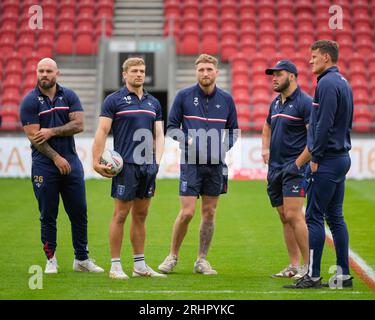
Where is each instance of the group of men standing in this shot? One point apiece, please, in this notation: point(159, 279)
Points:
point(298, 129)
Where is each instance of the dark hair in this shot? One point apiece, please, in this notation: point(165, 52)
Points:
point(327, 46)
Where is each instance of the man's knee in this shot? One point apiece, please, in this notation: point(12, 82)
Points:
point(186, 214)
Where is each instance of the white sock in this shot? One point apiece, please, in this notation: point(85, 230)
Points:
point(116, 264)
point(315, 278)
point(139, 262)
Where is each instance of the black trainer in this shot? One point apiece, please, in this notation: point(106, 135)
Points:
point(305, 283)
point(348, 283)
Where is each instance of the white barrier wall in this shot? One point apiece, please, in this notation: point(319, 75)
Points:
point(244, 160)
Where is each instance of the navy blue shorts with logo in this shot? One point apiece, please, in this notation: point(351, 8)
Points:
point(203, 179)
point(135, 181)
point(285, 182)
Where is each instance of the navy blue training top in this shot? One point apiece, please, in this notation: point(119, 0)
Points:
point(37, 108)
point(331, 116)
point(192, 110)
point(288, 127)
point(133, 124)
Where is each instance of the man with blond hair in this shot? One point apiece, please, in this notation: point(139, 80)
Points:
point(200, 117)
point(51, 115)
point(135, 118)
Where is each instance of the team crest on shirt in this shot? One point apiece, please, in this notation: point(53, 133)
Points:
point(41, 99)
point(128, 99)
point(150, 104)
point(195, 101)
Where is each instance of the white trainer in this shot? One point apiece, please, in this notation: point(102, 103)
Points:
point(87, 265)
point(301, 271)
point(203, 266)
point(288, 272)
point(168, 264)
point(51, 265)
point(118, 274)
point(148, 273)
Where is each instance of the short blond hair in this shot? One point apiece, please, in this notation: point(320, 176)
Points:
point(206, 58)
point(131, 62)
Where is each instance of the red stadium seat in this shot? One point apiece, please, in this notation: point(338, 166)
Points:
point(229, 33)
point(10, 117)
point(210, 23)
point(209, 42)
point(25, 45)
point(171, 9)
point(103, 25)
point(9, 33)
point(267, 44)
point(9, 98)
point(229, 47)
point(65, 20)
point(64, 43)
point(190, 21)
point(364, 43)
point(259, 64)
point(46, 48)
point(362, 23)
point(357, 63)
point(247, 22)
point(266, 7)
point(303, 6)
point(229, 21)
point(371, 63)
point(360, 7)
point(10, 7)
point(86, 21)
point(84, 43)
point(171, 28)
point(86, 7)
point(9, 19)
point(266, 24)
point(229, 7)
point(361, 119)
point(284, 7)
point(6, 46)
point(67, 7)
point(190, 7)
point(248, 44)
point(209, 6)
point(190, 41)
point(14, 61)
point(49, 7)
point(248, 7)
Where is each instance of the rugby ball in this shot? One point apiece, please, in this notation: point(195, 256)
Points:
point(114, 159)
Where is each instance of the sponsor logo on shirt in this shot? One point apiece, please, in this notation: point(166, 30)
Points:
point(195, 101)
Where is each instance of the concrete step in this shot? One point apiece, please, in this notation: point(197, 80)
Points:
point(139, 25)
point(138, 12)
point(139, 4)
point(70, 71)
point(139, 32)
point(132, 18)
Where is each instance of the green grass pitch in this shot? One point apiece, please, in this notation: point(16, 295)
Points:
point(247, 247)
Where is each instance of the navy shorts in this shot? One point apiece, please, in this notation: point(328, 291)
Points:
point(285, 182)
point(135, 181)
point(203, 179)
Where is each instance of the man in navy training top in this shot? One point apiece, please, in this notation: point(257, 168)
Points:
point(51, 115)
point(328, 145)
point(135, 118)
point(283, 141)
point(199, 117)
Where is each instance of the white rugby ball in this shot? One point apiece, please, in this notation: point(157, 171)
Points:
point(114, 159)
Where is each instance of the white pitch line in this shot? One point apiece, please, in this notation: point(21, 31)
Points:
point(233, 292)
point(357, 259)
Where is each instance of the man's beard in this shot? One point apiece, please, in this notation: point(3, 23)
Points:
point(206, 82)
point(283, 86)
point(47, 85)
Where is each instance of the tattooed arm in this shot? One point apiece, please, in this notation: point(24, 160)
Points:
point(61, 163)
point(75, 125)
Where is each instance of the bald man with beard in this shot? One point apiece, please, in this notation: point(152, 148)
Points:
point(51, 115)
